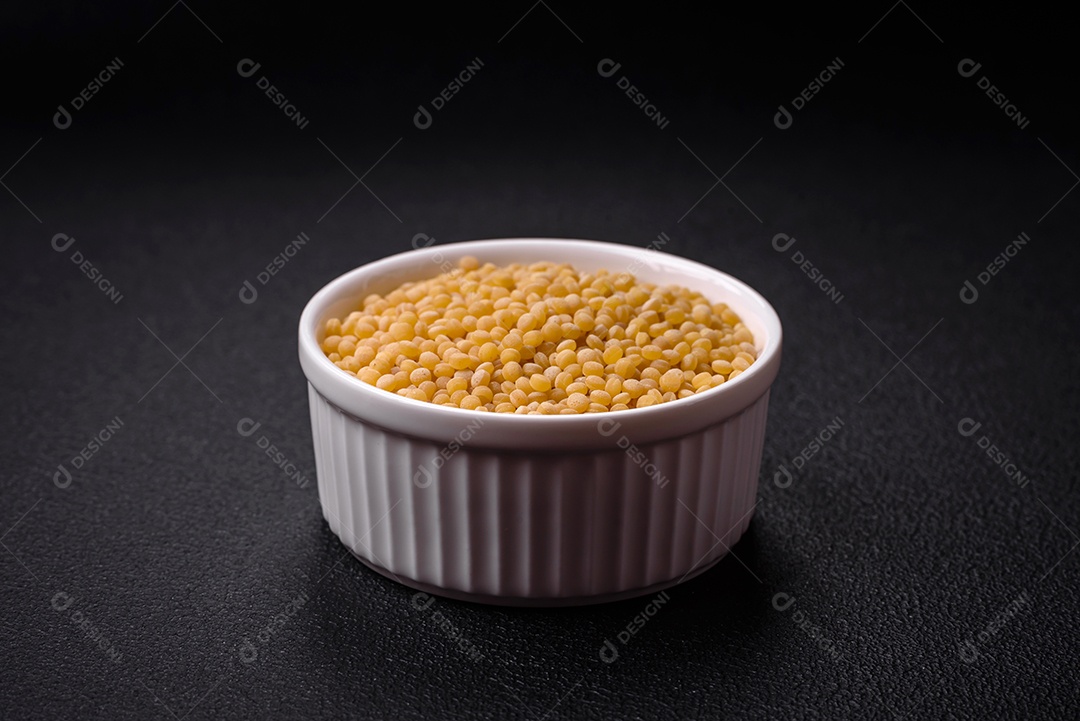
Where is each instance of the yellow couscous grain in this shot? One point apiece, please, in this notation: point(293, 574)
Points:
point(540, 339)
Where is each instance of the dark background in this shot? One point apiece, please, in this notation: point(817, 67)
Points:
point(179, 541)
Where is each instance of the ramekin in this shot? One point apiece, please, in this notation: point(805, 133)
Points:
point(537, 510)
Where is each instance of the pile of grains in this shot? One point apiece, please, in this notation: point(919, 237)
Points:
point(541, 338)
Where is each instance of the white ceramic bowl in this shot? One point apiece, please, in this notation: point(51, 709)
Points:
point(529, 509)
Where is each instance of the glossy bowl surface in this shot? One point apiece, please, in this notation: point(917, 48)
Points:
point(537, 510)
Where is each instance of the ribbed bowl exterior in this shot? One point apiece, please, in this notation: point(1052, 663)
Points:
point(537, 528)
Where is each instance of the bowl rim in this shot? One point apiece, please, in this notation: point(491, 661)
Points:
point(450, 425)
